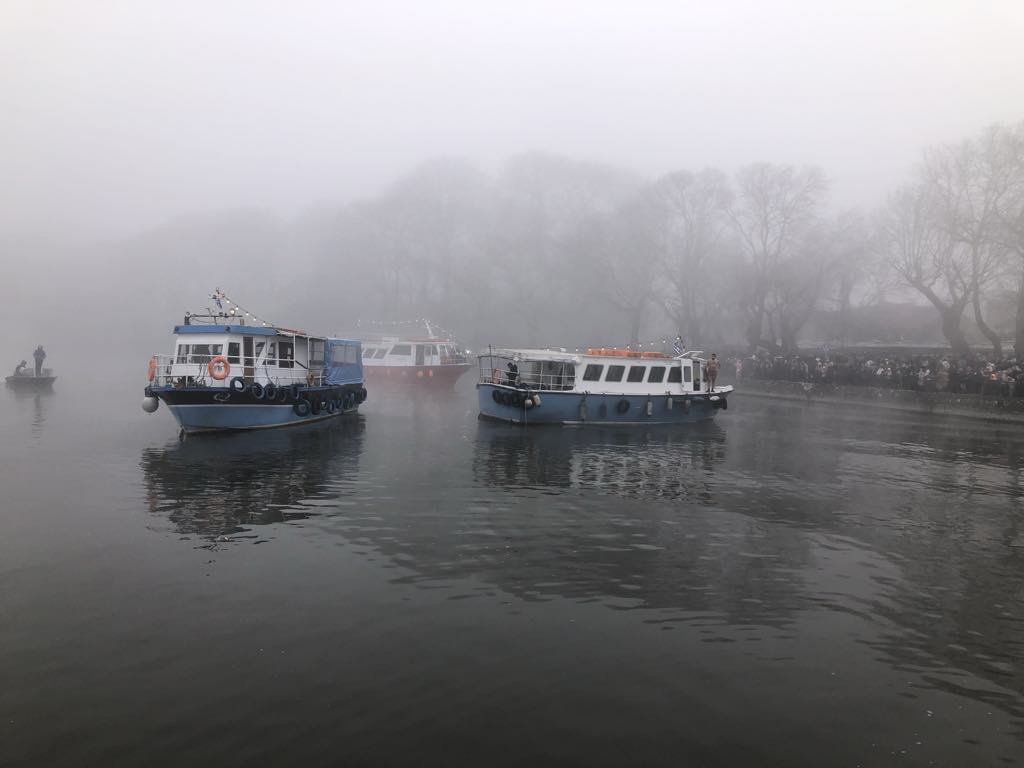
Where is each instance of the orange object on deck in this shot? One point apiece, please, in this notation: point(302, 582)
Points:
point(616, 352)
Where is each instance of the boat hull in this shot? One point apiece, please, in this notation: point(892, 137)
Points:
point(30, 382)
point(590, 408)
point(427, 376)
point(219, 409)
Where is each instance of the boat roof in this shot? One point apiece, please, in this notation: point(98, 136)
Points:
point(250, 330)
point(534, 354)
point(605, 353)
point(371, 339)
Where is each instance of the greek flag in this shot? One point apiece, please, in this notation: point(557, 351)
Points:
point(677, 346)
point(216, 299)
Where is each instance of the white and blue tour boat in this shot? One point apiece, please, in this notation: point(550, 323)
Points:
point(603, 386)
point(226, 374)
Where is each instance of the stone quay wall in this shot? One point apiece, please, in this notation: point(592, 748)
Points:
point(986, 407)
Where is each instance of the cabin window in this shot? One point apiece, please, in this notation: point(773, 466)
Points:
point(657, 374)
point(234, 352)
point(401, 349)
point(344, 355)
point(636, 373)
point(316, 354)
point(380, 353)
point(687, 374)
point(202, 353)
point(271, 354)
point(182, 354)
point(593, 372)
point(286, 350)
point(675, 374)
point(615, 372)
point(367, 353)
point(555, 375)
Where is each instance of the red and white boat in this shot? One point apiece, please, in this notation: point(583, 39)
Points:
point(432, 359)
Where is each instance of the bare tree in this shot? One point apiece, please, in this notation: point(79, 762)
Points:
point(691, 224)
point(771, 213)
point(619, 251)
point(1007, 145)
point(925, 256)
point(851, 266)
point(970, 182)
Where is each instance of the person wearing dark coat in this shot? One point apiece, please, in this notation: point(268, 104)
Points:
point(39, 355)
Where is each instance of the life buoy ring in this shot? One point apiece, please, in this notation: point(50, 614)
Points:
point(622, 406)
point(152, 368)
point(219, 368)
point(496, 376)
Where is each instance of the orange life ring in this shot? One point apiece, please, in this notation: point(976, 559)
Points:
point(219, 368)
point(152, 368)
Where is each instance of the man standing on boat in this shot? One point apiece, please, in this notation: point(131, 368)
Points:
point(712, 369)
point(39, 355)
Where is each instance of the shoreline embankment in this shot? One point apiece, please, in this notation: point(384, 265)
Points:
point(1008, 410)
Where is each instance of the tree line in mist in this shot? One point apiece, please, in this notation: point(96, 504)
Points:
point(554, 251)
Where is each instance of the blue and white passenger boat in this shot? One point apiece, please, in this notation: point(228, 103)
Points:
point(227, 374)
point(603, 386)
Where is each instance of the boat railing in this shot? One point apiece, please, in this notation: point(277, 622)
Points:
point(171, 371)
point(520, 377)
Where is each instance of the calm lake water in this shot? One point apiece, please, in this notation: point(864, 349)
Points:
point(790, 586)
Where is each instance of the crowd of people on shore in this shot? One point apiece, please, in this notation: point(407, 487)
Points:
point(974, 374)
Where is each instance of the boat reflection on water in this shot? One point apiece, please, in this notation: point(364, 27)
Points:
point(657, 462)
point(40, 401)
point(216, 485)
point(629, 518)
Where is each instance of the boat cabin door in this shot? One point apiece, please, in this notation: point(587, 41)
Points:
point(248, 364)
point(419, 354)
point(696, 375)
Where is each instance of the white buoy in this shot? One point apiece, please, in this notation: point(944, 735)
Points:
point(150, 404)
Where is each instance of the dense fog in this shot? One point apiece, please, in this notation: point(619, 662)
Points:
point(588, 174)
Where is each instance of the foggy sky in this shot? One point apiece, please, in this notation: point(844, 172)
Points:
point(121, 115)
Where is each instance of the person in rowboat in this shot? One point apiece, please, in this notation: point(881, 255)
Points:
point(39, 355)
